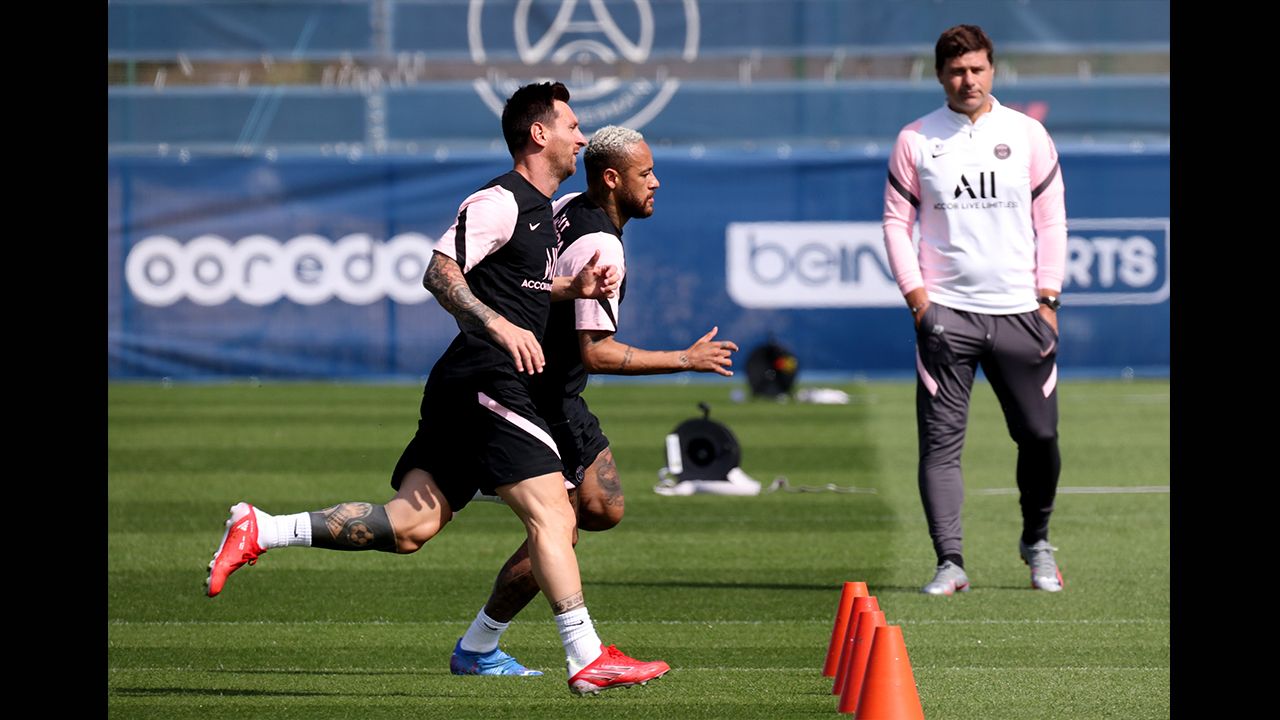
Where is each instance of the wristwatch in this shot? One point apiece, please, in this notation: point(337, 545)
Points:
point(1053, 301)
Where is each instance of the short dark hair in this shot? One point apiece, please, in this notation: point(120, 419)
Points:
point(533, 103)
point(960, 40)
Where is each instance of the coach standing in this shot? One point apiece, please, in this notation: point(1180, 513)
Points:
point(983, 290)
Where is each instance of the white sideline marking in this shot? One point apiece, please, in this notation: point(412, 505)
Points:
point(796, 670)
point(430, 670)
point(797, 621)
point(1105, 490)
point(1032, 668)
point(1027, 621)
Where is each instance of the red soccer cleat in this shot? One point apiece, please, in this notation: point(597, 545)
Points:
point(613, 669)
point(239, 546)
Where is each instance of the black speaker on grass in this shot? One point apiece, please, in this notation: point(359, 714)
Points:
point(771, 370)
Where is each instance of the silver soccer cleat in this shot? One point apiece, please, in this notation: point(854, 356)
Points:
point(1044, 569)
point(949, 579)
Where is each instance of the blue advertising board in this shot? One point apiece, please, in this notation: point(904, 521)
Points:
point(311, 267)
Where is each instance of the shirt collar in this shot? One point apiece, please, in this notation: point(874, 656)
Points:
point(963, 120)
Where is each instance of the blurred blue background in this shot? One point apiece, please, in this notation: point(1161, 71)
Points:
point(277, 171)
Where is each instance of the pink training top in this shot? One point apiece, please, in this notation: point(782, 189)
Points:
point(591, 314)
point(989, 197)
point(490, 220)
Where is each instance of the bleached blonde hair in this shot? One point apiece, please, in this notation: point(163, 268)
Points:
point(610, 147)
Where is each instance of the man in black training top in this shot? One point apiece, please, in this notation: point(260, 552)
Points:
point(479, 429)
point(580, 340)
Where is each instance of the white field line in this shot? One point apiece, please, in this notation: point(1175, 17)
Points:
point(797, 621)
point(717, 669)
point(1107, 490)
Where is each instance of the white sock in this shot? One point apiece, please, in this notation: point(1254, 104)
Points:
point(284, 530)
point(581, 644)
point(482, 636)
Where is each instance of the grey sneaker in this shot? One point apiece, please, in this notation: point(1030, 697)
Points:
point(1044, 569)
point(949, 579)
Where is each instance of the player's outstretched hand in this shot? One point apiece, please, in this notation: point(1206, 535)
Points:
point(520, 343)
point(710, 355)
point(596, 282)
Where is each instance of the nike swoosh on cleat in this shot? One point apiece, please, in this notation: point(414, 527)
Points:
point(295, 528)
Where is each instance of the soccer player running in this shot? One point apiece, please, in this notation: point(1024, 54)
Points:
point(479, 429)
point(983, 289)
point(580, 340)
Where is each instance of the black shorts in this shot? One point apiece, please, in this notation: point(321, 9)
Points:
point(579, 438)
point(478, 437)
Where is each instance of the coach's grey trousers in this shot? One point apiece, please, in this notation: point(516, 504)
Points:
point(1018, 356)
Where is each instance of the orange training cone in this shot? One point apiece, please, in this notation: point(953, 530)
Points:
point(859, 654)
point(889, 689)
point(861, 605)
point(850, 591)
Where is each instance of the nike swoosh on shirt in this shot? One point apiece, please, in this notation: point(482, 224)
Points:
point(534, 226)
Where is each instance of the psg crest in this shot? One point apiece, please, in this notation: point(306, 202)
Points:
point(617, 57)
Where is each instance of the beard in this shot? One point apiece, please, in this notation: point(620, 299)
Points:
point(635, 207)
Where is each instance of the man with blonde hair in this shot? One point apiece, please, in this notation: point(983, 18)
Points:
point(479, 429)
point(580, 340)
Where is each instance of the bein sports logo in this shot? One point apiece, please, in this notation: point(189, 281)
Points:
point(809, 264)
point(581, 45)
point(1113, 261)
point(259, 270)
point(1117, 261)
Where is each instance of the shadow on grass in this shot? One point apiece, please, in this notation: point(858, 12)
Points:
point(1015, 588)
point(878, 588)
point(706, 585)
point(915, 589)
point(331, 671)
point(225, 692)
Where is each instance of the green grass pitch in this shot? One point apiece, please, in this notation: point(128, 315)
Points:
point(737, 594)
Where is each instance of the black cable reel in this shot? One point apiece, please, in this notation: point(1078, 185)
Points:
point(703, 457)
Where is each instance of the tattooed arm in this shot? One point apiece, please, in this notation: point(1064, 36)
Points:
point(447, 283)
point(601, 353)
